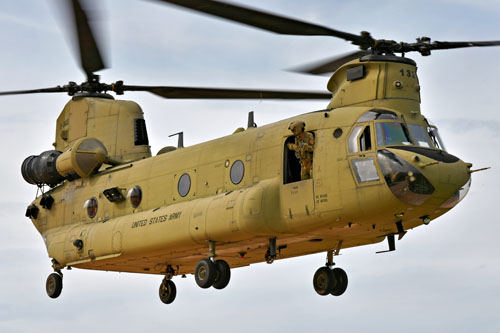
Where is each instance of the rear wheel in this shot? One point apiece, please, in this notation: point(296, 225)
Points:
point(323, 281)
point(340, 277)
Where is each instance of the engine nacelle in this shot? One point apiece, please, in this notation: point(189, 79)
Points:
point(52, 167)
point(41, 169)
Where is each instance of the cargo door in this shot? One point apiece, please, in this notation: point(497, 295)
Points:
point(296, 195)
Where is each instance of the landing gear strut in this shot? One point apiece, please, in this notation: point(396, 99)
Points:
point(330, 281)
point(271, 251)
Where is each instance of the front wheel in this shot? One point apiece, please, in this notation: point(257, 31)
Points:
point(167, 291)
point(54, 285)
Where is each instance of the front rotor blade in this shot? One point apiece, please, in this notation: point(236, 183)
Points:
point(437, 45)
point(215, 93)
point(329, 65)
point(268, 21)
point(36, 91)
point(90, 57)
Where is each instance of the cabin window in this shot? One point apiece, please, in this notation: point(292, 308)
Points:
point(135, 196)
point(392, 133)
point(365, 170)
point(140, 132)
point(91, 207)
point(184, 185)
point(237, 172)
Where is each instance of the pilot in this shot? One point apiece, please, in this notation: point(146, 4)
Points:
point(303, 146)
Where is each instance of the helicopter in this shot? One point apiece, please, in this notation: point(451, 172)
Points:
point(351, 124)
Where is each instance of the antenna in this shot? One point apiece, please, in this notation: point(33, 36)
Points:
point(251, 122)
point(180, 141)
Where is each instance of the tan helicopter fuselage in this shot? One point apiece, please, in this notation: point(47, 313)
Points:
point(174, 223)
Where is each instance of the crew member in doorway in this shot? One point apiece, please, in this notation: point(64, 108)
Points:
point(303, 146)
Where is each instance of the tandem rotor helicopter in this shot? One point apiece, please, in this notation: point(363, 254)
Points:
point(367, 168)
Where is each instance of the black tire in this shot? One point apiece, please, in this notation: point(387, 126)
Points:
point(340, 281)
point(323, 281)
point(167, 291)
point(205, 273)
point(54, 285)
point(223, 274)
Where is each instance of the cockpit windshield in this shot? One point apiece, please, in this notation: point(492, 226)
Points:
point(392, 133)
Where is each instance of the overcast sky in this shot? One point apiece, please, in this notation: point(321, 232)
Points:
point(443, 277)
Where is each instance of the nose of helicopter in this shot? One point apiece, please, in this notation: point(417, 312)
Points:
point(452, 182)
point(417, 175)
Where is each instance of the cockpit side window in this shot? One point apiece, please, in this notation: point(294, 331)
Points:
point(360, 139)
point(365, 140)
point(436, 139)
point(421, 135)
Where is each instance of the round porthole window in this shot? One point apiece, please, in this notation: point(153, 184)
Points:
point(184, 185)
point(91, 207)
point(135, 196)
point(237, 172)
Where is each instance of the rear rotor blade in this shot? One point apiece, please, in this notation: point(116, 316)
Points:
point(268, 21)
point(221, 93)
point(329, 65)
point(90, 57)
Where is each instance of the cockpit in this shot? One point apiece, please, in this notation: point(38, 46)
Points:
point(392, 131)
point(379, 136)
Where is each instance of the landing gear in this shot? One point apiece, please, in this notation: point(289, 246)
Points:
point(210, 272)
point(330, 281)
point(54, 285)
point(167, 291)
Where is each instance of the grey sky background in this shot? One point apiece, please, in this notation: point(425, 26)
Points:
point(443, 277)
